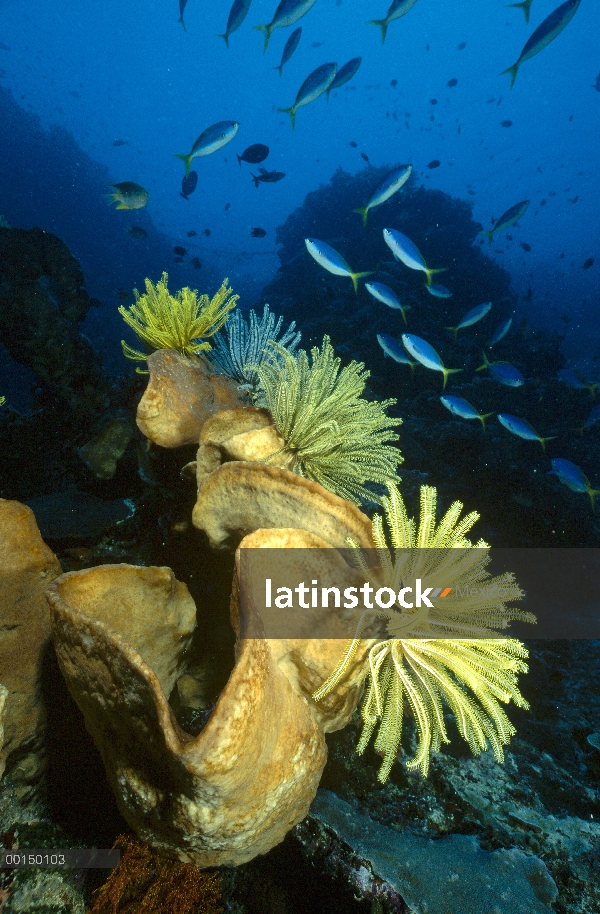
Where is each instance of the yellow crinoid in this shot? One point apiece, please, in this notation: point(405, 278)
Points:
point(183, 322)
point(445, 653)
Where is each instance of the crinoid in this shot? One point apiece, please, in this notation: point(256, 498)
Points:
point(446, 652)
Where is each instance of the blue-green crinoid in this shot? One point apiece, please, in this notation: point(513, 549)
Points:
point(473, 675)
point(332, 434)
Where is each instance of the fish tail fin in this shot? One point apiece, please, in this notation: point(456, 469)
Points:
point(280, 68)
point(489, 233)
point(454, 331)
point(255, 179)
point(404, 310)
point(413, 365)
point(543, 441)
point(525, 6)
point(485, 416)
point(123, 206)
point(362, 211)
point(183, 195)
point(356, 276)
point(430, 273)
point(592, 389)
point(485, 365)
point(239, 158)
point(267, 29)
point(447, 372)
point(187, 160)
point(592, 493)
point(383, 25)
point(513, 73)
point(292, 113)
point(182, 22)
point(225, 37)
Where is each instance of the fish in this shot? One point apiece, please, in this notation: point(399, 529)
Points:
point(506, 123)
point(596, 85)
point(207, 232)
point(181, 252)
point(388, 187)
point(237, 14)
point(452, 82)
point(313, 86)
point(290, 46)
point(589, 263)
point(461, 46)
point(287, 13)
point(384, 294)
point(507, 219)
point(463, 409)
point(227, 206)
point(525, 6)
point(500, 332)
point(211, 139)
point(435, 163)
point(254, 154)
point(353, 144)
point(137, 232)
point(503, 372)
point(188, 185)
point(438, 291)
point(258, 232)
point(403, 249)
point(575, 381)
point(195, 262)
point(472, 317)
point(191, 234)
point(330, 260)
point(526, 247)
point(522, 429)
point(593, 417)
point(120, 143)
point(344, 74)
point(267, 177)
point(182, 6)
point(395, 351)
point(426, 355)
point(129, 195)
point(397, 9)
point(550, 28)
point(570, 474)
point(365, 157)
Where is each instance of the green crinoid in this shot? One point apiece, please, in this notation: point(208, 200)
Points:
point(472, 675)
point(183, 322)
point(332, 434)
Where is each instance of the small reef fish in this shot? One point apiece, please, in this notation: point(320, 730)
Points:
point(254, 154)
point(452, 82)
point(181, 252)
point(211, 139)
point(237, 14)
point(588, 263)
point(388, 187)
point(406, 251)
point(257, 232)
point(129, 195)
point(522, 429)
point(191, 234)
point(120, 143)
point(507, 219)
point(384, 294)
point(397, 9)
point(314, 85)
point(395, 351)
point(287, 13)
point(503, 372)
point(195, 261)
point(267, 177)
point(463, 409)
point(525, 6)
point(330, 260)
point(438, 291)
point(137, 232)
point(426, 355)
point(344, 74)
point(188, 185)
point(472, 317)
point(570, 474)
point(435, 163)
point(596, 85)
point(500, 332)
point(550, 28)
point(290, 46)
point(575, 381)
point(182, 6)
point(593, 417)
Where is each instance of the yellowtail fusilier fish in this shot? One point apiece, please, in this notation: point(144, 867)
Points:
point(507, 219)
point(287, 13)
point(426, 355)
point(129, 195)
point(500, 332)
point(390, 184)
point(237, 14)
point(314, 85)
point(591, 420)
point(550, 28)
point(405, 250)
point(576, 382)
point(438, 291)
point(384, 294)
point(503, 372)
point(398, 8)
point(463, 409)
point(472, 317)
point(522, 429)
point(330, 260)
point(344, 74)
point(525, 6)
point(570, 474)
point(395, 351)
point(290, 46)
point(210, 140)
